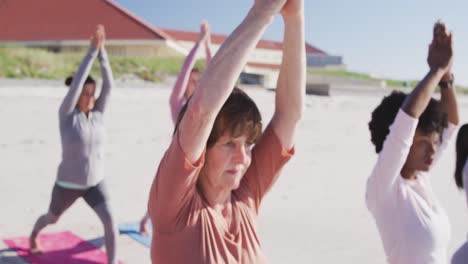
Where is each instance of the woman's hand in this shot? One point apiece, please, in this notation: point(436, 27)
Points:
point(98, 38)
point(293, 8)
point(204, 30)
point(268, 8)
point(441, 49)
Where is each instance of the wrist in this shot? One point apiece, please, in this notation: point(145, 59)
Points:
point(447, 81)
point(263, 16)
point(294, 18)
point(293, 22)
point(438, 72)
point(447, 76)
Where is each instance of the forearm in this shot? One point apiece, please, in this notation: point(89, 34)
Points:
point(107, 80)
point(106, 69)
point(448, 102)
point(180, 86)
point(225, 67)
point(74, 92)
point(417, 101)
point(217, 83)
point(290, 90)
point(208, 51)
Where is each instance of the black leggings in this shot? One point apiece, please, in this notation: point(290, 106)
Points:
point(97, 198)
point(63, 198)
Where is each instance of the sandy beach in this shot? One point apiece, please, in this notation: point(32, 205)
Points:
point(314, 214)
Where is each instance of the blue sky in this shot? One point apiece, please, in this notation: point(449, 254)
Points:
point(382, 38)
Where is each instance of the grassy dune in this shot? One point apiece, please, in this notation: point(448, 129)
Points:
point(20, 62)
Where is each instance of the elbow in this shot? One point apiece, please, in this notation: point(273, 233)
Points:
point(300, 112)
point(196, 110)
point(291, 114)
point(197, 113)
point(172, 102)
point(292, 118)
point(295, 117)
point(297, 113)
point(62, 111)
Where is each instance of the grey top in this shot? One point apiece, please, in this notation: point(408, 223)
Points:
point(83, 136)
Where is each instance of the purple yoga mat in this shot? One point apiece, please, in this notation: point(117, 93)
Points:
point(58, 248)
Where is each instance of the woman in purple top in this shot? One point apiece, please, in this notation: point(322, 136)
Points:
point(80, 172)
point(186, 82)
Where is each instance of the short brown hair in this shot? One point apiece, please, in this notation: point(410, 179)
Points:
point(239, 115)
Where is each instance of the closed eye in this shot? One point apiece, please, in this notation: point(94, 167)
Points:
point(230, 144)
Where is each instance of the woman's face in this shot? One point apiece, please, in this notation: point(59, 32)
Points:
point(226, 162)
point(87, 100)
point(422, 151)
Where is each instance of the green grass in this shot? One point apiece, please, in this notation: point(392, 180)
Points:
point(362, 76)
point(20, 62)
point(341, 73)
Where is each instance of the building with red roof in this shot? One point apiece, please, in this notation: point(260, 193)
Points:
point(60, 26)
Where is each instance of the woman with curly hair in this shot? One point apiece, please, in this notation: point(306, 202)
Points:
point(410, 133)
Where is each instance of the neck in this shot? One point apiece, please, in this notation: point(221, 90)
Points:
point(86, 112)
point(216, 197)
point(409, 174)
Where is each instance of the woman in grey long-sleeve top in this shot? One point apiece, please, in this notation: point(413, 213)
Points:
point(82, 134)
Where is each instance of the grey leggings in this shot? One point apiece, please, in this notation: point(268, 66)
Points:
point(97, 198)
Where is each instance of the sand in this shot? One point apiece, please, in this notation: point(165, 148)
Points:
point(314, 214)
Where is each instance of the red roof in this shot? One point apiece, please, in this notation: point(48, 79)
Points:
point(44, 20)
point(59, 20)
point(218, 39)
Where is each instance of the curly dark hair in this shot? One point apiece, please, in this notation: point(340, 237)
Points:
point(462, 154)
point(433, 119)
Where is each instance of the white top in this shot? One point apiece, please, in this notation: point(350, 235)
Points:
point(412, 224)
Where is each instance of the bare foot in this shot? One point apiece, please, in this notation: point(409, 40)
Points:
point(34, 246)
point(143, 229)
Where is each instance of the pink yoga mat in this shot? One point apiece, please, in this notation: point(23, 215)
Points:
point(58, 248)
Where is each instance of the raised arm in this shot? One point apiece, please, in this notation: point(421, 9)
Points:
point(177, 98)
point(448, 99)
point(220, 76)
point(440, 59)
point(107, 78)
point(290, 90)
point(207, 43)
point(73, 95)
point(74, 92)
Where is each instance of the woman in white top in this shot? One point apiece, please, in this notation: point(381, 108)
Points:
point(409, 133)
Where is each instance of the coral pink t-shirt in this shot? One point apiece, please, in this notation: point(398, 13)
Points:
point(187, 230)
